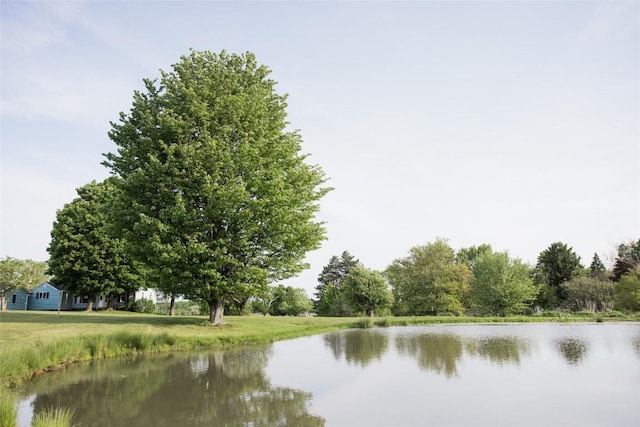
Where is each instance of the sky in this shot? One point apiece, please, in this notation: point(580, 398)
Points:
point(515, 124)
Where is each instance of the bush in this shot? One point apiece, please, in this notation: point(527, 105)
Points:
point(143, 306)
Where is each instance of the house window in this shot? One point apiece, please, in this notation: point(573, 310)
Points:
point(46, 295)
point(13, 299)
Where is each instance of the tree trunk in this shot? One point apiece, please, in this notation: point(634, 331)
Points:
point(90, 304)
point(172, 306)
point(3, 305)
point(216, 311)
point(370, 312)
point(112, 302)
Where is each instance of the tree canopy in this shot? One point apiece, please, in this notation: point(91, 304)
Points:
point(501, 285)
point(215, 193)
point(85, 257)
point(367, 290)
point(557, 264)
point(428, 281)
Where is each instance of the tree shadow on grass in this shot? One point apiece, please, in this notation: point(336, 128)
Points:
point(97, 318)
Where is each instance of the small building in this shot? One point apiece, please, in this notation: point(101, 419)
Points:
point(18, 300)
point(44, 297)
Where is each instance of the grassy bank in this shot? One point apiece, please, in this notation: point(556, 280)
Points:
point(35, 342)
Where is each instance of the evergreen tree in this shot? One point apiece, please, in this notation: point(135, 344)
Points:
point(557, 264)
point(330, 297)
point(597, 270)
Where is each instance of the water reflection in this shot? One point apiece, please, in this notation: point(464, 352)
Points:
point(221, 388)
point(572, 349)
point(500, 350)
point(441, 352)
point(636, 345)
point(357, 347)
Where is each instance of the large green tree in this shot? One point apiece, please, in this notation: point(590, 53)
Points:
point(428, 281)
point(19, 274)
point(331, 299)
point(85, 257)
point(215, 193)
point(557, 264)
point(501, 285)
point(368, 290)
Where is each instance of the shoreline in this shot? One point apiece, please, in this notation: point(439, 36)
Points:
point(38, 343)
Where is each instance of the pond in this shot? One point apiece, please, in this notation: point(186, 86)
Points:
point(436, 375)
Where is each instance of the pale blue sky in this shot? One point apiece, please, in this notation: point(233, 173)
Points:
point(510, 123)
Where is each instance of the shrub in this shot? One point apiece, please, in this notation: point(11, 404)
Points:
point(143, 306)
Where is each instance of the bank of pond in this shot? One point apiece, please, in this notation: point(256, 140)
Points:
point(449, 374)
point(338, 372)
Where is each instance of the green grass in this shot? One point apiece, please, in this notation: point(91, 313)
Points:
point(8, 410)
point(55, 417)
point(35, 342)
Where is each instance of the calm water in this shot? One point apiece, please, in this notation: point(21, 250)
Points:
point(444, 375)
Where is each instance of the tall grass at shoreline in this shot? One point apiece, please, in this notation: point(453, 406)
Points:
point(8, 410)
point(54, 417)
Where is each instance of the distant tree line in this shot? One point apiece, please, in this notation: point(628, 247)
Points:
point(435, 279)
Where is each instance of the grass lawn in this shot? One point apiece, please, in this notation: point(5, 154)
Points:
point(18, 328)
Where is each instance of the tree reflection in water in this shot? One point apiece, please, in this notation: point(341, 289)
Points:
point(221, 388)
point(359, 347)
point(438, 353)
point(500, 350)
point(441, 353)
point(572, 349)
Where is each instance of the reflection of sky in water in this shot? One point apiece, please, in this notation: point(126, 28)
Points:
point(504, 374)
